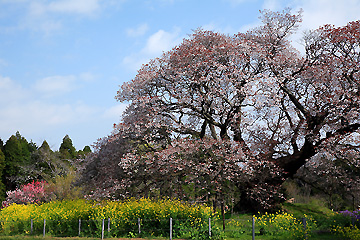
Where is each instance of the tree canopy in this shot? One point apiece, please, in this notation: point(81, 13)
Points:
point(245, 111)
point(67, 148)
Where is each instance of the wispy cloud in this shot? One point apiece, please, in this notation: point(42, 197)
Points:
point(74, 6)
point(161, 41)
point(320, 12)
point(237, 2)
point(115, 111)
point(78, 7)
point(156, 44)
point(49, 16)
point(11, 92)
point(55, 85)
point(138, 31)
point(26, 110)
point(317, 13)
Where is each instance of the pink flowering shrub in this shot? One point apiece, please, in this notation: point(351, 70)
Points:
point(33, 192)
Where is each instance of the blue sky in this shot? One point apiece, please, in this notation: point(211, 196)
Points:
point(62, 61)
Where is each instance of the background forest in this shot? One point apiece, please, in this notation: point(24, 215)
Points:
point(22, 162)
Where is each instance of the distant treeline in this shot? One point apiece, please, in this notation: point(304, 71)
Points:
point(22, 161)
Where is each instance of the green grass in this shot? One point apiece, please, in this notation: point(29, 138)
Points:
point(315, 237)
point(322, 216)
point(245, 237)
point(314, 209)
point(21, 237)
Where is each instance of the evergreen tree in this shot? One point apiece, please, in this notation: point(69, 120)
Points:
point(2, 185)
point(47, 164)
point(13, 158)
point(45, 146)
point(1, 145)
point(86, 150)
point(67, 150)
point(42, 163)
point(82, 153)
point(17, 151)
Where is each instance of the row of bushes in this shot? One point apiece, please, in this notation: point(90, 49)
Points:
point(62, 218)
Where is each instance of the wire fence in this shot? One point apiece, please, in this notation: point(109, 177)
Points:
point(107, 228)
point(286, 227)
point(244, 228)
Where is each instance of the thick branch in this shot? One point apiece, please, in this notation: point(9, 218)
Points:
point(293, 162)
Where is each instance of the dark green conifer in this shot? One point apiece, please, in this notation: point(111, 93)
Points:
point(67, 149)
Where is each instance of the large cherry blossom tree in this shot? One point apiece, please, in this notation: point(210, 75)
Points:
point(238, 113)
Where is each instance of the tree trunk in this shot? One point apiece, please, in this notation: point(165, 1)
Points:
point(289, 164)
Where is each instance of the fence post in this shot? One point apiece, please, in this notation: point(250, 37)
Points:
point(170, 228)
point(44, 228)
point(102, 229)
point(210, 227)
point(139, 225)
point(304, 223)
point(79, 227)
point(253, 228)
point(31, 226)
point(108, 224)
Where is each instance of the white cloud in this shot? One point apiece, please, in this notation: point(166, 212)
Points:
point(25, 110)
point(74, 6)
point(218, 28)
point(44, 119)
point(115, 111)
point(55, 85)
point(82, 7)
point(317, 13)
point(320, 12)
point(36, 8)
point(10, 91)
point(156, 44)
point(49, 16)
point(87, 77)
point(59, 85)
point(272, 5)
point(237, 2)
point(138, 31)
point(161, 41)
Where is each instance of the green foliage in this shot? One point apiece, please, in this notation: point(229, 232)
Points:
point(82, 153)
point(62, 187)
point(45, 147)
point(189, 221)
point(46, 164)
point(17, 153)
point(2, 185)
point(42, 163)
point(314, 208)
point(67, 150)
point(321, 223)
point(1, 145)
point(62, 218)
point(350, 232)
point(87, 149)
point(285, 224)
